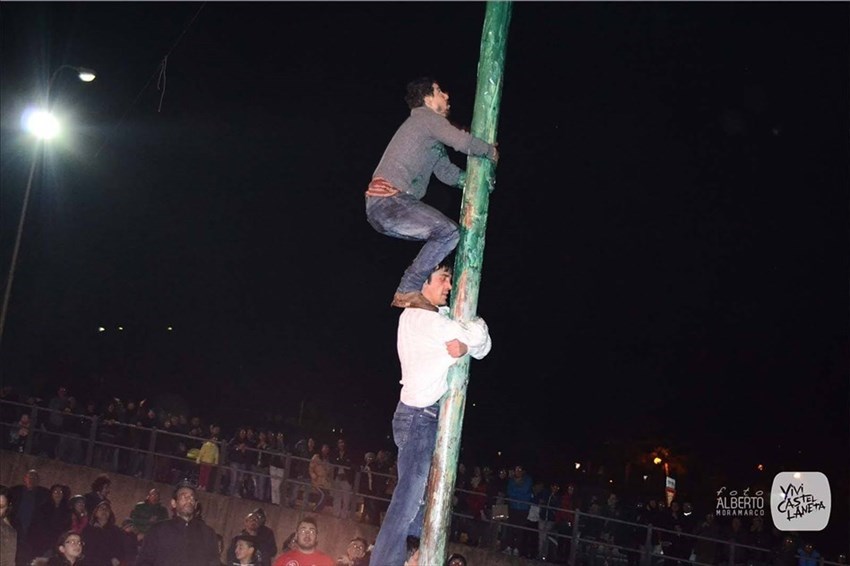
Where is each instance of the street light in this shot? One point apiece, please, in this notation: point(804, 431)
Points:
point(44, 126)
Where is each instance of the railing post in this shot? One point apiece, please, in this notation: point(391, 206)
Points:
point(574, 542)
point(287, 479)
point(646, 559)
point(355, 492)
point(149, 457)
point(32, 430)
point(92, 436)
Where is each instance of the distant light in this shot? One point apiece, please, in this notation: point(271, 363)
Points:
point(644, 477)
point(578, 465)
point(760, 467)
point(499, 453)
point(101, 329)
point(473, 404)
point(41, 124)
point(656, 460)
point(169, 328)
point(610, 481)
point(86, 75)
point(120, 328)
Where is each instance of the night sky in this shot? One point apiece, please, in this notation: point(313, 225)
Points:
point(667, 245)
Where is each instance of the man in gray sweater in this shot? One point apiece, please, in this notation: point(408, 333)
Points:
point(393, 198)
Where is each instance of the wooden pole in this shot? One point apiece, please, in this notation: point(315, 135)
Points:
point(467, 277)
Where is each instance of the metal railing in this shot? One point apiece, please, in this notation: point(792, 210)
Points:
point(160, 455)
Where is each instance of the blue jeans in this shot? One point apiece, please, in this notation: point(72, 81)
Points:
point(415, 434)
point(406, 217)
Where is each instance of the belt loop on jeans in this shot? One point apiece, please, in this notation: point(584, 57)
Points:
point(432, 410)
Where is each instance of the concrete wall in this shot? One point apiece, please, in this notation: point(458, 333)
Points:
point(224, 514)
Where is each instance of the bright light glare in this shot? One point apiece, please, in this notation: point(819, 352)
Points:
point(41, 124)
point(86, 75)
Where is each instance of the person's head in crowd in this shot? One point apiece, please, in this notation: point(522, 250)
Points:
point(102, 515)
point(153, 497)
point(412, 550)
point(102, 485)
point(31, 479)
point(128, 526)
point(246, 550)
point(4, 503)
point(59, 494)
point(356, 549)
point(519, 472)
point(251, 524)
point(456, 560)
point(78, 504)
point(261, 515)
point(183, 501)
point(70, 545)
point(307, 535)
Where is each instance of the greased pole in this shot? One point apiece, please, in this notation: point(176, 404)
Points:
point(481, 176)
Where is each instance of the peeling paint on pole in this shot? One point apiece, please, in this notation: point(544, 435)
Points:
point(467, 278)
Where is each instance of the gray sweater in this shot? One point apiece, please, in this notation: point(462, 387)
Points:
point(418, 149)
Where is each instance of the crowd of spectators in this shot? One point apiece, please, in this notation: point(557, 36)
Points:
point(252, 462)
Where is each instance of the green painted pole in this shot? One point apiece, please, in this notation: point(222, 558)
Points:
point(467, 278)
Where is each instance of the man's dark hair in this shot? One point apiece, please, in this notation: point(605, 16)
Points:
point(311, 520)
point(99, 482)
point(447, 264)
point(417, 90)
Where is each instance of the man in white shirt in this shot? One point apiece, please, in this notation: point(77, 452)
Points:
point(429, 343)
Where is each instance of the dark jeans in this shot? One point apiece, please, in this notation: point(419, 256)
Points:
point(415, 434)
point(408, 218)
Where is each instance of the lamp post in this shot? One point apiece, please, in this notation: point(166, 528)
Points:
point(43, 126)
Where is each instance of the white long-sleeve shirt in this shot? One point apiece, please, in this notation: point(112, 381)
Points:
point(425, 362)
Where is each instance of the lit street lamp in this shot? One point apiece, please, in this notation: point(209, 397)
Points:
point(43, 126)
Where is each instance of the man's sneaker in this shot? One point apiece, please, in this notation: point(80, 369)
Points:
point(412, 299)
